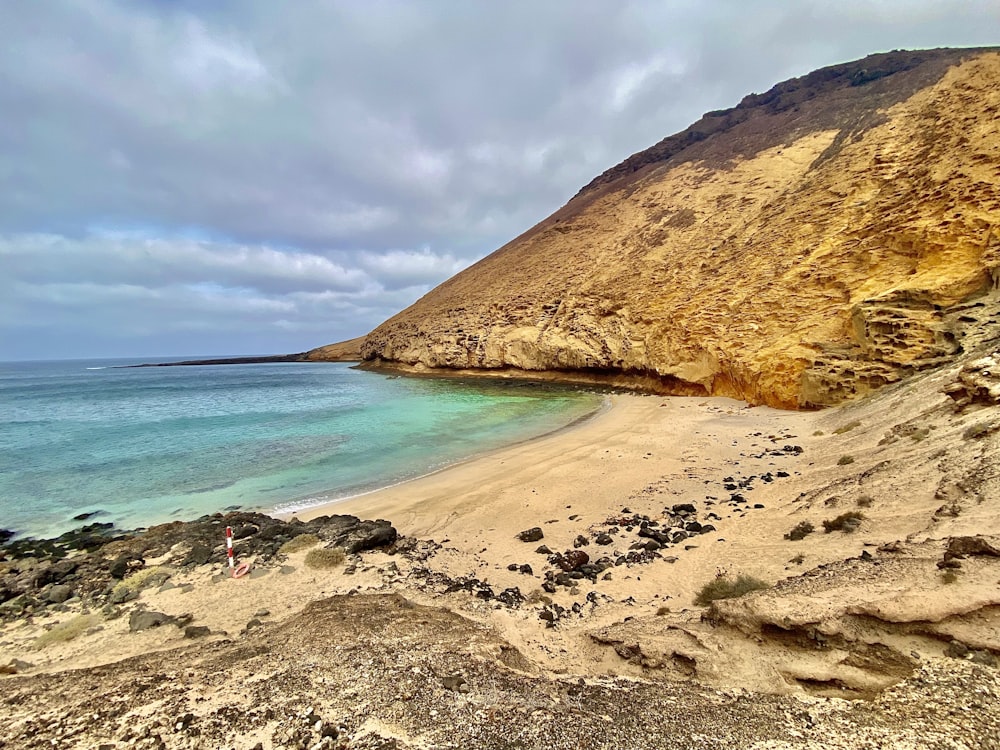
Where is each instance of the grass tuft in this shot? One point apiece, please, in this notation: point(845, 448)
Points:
point(325, 557)
point(66, 631)
point(299, 543)
point(723, 588)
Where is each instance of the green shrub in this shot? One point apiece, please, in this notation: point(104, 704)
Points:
point(846, 522)
point(800, 531)
point(66, 631)
point(723, 588)
point(844, 460)
point(299, 543)
point(325, 557)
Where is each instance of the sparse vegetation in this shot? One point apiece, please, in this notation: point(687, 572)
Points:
point(140, 580)
point(800, 531)
point(537, 596)
point(798, 559)
point(67, 631)
point(721, 587)
point(865, 501)
point(847, 427)
point(845, 460)
point(325, 557)
point(662, 611)
point(846, 522)
point(299, 543)
point(978, 430)
point(949, 576)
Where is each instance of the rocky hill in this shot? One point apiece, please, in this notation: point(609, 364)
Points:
point(811, 244)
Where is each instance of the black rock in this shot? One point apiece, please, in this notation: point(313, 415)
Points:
point(196, 631)
point(525, 569)
point(531, 535)
point(6, 535)
point(247, 530)
point(512, 567)
point(199, 555)
point(143, 620)
point(125, 564)
point(683, 508)
point(581, 541)
point(781, 474)
point(603, 539)
point(693, 527)
point(543, 550)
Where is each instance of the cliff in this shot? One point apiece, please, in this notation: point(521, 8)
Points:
point(809, 245)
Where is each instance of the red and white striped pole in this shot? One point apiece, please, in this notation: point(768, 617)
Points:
point(229, 549)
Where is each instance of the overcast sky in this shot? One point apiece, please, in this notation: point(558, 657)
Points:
point(197, 178)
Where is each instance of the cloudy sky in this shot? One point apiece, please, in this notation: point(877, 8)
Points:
point(250, 176)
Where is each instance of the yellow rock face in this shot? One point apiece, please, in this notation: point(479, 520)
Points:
point(813, 243)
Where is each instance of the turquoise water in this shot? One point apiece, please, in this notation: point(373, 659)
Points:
point(148, 445)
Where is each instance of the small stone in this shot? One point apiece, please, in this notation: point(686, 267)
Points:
point(531, 535)
point(603, 539)
point(543, 550)
point(196, 631)
point(262, 613)
point(581, 541)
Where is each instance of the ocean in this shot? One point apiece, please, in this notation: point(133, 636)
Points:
point(142, 446)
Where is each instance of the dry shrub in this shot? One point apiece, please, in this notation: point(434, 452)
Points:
point(846, 522)
point(299, 543)
point(800, 531)
point(141, 579)
point(847, 427)
point(66, 631)
point(325, 557)
point(723, 588)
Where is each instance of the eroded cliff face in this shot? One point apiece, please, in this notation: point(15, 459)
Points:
point(814, 243)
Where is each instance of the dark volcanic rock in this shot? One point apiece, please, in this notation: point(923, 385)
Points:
point(142, 620)
point(199, 554)
point(531, 535)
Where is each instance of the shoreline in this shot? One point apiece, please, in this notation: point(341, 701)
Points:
point(309, 512)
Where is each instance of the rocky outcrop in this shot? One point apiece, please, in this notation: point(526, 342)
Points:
point(804, 247)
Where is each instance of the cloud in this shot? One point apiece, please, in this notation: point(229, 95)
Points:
point(365, 150)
